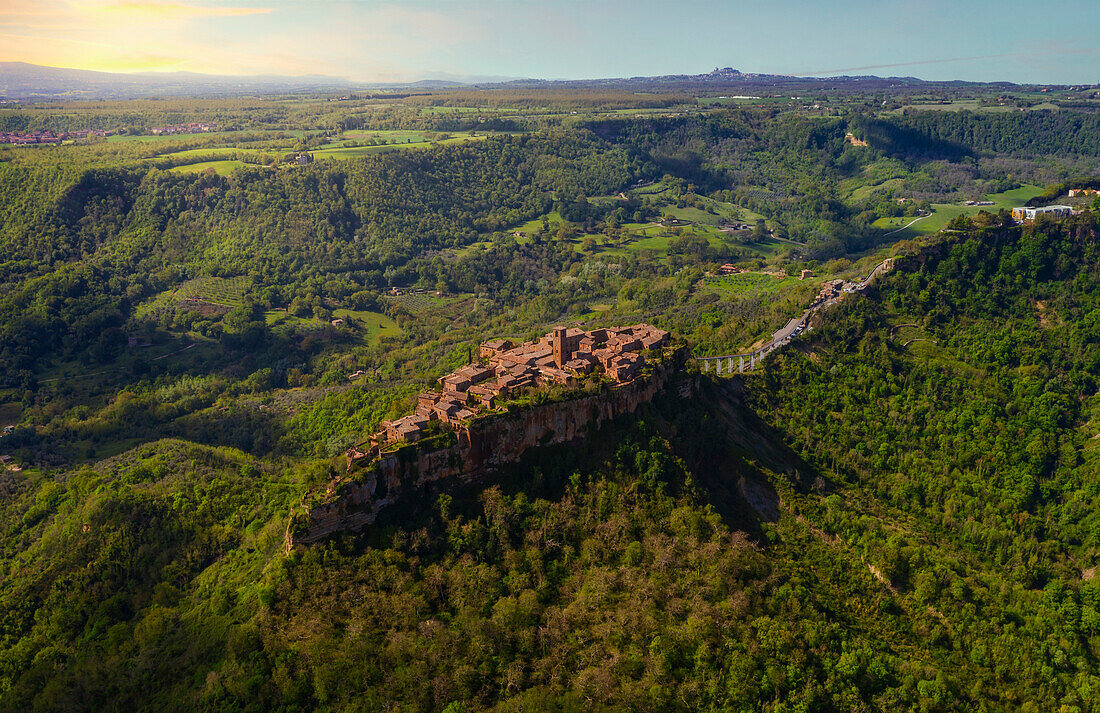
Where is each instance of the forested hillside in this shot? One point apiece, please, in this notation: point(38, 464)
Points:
point(958, 473)
point(100, 241)
point(959, 133)
point(896, 511)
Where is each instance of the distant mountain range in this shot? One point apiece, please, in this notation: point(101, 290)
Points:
point(22, 81)
point(27, 82)
point(741, 82)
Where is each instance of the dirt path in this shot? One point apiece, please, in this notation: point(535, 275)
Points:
point(912, 222)
point(112, 369)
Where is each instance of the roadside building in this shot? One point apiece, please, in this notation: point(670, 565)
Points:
point(1030, 213)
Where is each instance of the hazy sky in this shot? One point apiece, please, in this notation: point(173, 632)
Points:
point(375, 40)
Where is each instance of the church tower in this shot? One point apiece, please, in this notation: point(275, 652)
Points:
point(561, 352)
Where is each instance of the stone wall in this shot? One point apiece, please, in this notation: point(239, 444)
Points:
point(354, 500)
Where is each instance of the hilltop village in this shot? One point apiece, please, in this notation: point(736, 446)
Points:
point(563, 357)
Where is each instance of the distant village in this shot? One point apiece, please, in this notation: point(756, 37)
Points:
point(563, 357)
point(192, 128)
point(48, 137)
point(24, 138)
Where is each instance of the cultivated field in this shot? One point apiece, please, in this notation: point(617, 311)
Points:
point(222, 168)
point(413, 140)
point(227, 292)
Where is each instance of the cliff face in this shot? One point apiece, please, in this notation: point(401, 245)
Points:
point(354, 500)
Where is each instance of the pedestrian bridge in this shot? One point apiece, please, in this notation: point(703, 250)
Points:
point(739, 363)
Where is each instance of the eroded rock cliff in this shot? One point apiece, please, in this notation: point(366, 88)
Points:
point(354, 500)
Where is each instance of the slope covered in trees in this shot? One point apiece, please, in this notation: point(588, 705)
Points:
point(101, 240)
point(916, 555)
point(897, 513)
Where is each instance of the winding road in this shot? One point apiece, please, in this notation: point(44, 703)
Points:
point(912, 222)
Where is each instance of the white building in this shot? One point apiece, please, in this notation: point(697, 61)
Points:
point(1026, 213)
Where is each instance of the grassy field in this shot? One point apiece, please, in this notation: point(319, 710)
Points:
point(168, 137)
point(481, 245)
point(444, 110)
point(222, 168)
point(221, 151)
point(533, 226)
point(373, 325)
point(746, 282)
point(944, 213)
point(863, 192)
point(391, 135)
point(658, 243)
point(1014, 198)
point(746, 215)
point(692, 215)
point(10, 414)
point(655, 238)
point(336, 150)
point(650, 190)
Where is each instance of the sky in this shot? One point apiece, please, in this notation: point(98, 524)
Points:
point(403, 40)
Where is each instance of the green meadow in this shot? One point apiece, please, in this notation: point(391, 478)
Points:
point(412, 140)
point(222, 168)
point(748, 282)
point(126, 138)
point(222, 151)
point(944, 213)
point(372, 326)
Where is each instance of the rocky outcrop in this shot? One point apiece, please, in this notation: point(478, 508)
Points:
point(466, 455)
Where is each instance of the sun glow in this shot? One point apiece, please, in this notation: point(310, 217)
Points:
point(122, 35)
point(161, 11)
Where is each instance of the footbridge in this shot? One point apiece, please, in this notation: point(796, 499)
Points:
point(833, 293)
point(738, 363)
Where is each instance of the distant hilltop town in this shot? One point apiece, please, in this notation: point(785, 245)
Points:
point(564, 357)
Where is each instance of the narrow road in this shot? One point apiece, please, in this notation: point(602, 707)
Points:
point(165, 356)
point(112, 369)
point(912, 222)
